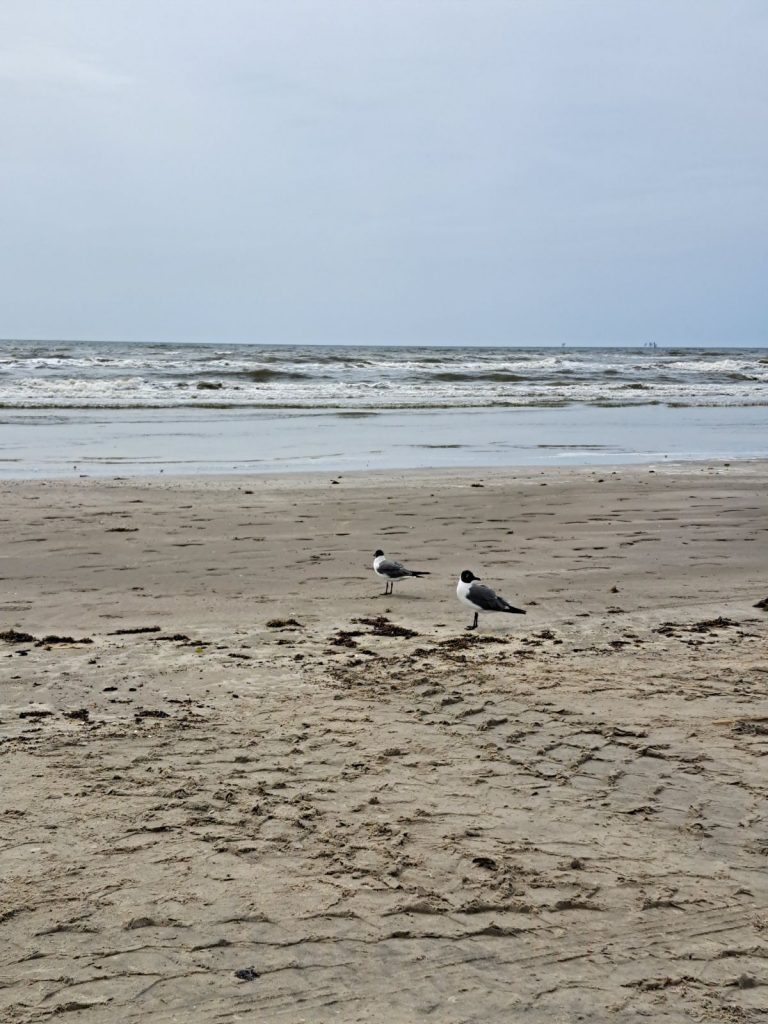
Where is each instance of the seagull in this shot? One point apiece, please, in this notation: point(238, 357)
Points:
point(392, 571)
point(481, 598)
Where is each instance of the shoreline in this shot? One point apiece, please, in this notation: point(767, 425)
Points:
point(409, 476)
point(306, 477)
point(67, 444)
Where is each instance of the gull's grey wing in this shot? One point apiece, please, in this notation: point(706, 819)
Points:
point(393, 570)
point(488, 600)
point(485, 598)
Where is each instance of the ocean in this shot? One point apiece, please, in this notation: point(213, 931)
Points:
point(151, 376)
point(69, 408)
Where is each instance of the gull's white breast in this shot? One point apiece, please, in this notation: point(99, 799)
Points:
point(462, 592)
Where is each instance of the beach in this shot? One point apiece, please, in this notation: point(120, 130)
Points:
point(240, 783)
point(294, 296)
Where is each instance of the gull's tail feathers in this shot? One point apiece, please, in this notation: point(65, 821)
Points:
point(512, 610)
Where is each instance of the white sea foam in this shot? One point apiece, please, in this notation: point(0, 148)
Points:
point(160, 376)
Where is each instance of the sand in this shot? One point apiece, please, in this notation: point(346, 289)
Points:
point(561, 818)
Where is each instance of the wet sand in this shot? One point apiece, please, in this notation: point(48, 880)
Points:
point(212, 814)
point(70, 443)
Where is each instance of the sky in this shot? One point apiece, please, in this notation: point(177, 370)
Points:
point(383, 172)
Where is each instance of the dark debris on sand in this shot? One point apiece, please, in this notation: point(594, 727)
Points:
point(707, 626)
point(346, 638)
point(463, 643)
point(247, 974)
point(48, 641)
point(11, 636)
point(79, 715)
point(381, 626)
point(135, 629)
point(751, 727)
point(284, 624)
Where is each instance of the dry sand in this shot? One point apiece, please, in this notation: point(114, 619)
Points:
point(562, 818)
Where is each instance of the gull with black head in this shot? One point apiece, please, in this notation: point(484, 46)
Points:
point(391, 571)
point(471, 592)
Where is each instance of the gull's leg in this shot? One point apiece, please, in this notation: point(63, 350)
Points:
point(474, 624)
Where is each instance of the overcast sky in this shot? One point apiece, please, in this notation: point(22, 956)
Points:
point(375, 171)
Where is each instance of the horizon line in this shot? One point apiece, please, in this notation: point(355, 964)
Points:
point(398, 344)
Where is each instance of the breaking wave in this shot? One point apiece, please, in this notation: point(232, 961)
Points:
point(121, 376)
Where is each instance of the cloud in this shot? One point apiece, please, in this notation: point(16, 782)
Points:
point(46, 65)
point(383, 171)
